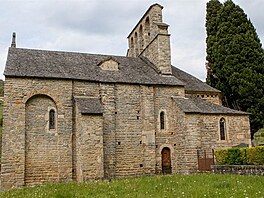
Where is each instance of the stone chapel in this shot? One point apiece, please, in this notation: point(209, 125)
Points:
point(75, 116)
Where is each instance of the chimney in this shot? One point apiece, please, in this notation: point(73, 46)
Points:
point(13, 44)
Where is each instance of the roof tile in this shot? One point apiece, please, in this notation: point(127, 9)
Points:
point(89, 105)
point(82, 66)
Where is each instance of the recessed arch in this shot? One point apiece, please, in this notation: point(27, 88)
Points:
point(40, 95)
point(147, 30)
point(41, 140)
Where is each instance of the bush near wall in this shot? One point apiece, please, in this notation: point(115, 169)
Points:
point(240, 156)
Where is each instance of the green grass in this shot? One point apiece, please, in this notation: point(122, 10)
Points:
point(200, 185)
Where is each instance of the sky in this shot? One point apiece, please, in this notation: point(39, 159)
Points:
point(102, 27)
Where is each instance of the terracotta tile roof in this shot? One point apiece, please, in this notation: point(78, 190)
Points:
point(89, 105)
point(82, 66)
point(197, 105)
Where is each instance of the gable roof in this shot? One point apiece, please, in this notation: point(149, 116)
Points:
point(89, 105)
point(81, 66)
point(192, 83)
point(197, 105)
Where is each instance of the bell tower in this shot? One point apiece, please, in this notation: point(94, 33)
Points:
point(150, 38)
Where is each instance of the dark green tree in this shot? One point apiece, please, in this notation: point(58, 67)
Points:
point(211, 25)
point(236, 61)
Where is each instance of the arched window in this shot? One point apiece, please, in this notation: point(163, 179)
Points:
point(162, 120)
point(52, 119)
point(222, 129)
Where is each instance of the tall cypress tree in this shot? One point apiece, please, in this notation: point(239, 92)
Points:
point(236, 61)
point(211, 25)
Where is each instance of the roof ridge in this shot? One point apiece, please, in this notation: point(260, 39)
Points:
point(71, 52)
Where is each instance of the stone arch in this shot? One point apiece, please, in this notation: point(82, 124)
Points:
point(39, 94)
point(147, 30)
point(166, 160)
point(41, 152)
point(173, 157)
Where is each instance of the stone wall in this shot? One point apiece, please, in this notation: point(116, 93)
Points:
point(13, 163)
point(108, 95)
point(41, 149)
point(127, 140)
point(179, 130)
point(158, 52)
point(192, 141)
point(238, 169)
point(132, 139)
point(147, 117)
point(201, 132)
point(167, 137)
point(237, 131)
point(89, 147)
point(208, 96)
point(129, 150)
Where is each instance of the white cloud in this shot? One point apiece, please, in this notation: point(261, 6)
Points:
point(101, 26)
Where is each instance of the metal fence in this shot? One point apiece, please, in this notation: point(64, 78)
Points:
point(204, 160)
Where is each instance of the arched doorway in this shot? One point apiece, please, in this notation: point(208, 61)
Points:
point(166, 160)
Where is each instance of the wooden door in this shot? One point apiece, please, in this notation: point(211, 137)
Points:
point(166, 160)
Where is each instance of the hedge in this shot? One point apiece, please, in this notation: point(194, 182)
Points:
point(240, 156)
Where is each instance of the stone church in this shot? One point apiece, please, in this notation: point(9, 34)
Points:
point(78, 116)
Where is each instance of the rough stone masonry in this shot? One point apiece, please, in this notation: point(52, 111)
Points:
point(77, 116)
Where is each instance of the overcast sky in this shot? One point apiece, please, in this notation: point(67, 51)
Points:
point(102, 26)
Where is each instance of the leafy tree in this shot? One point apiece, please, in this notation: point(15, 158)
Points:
point(235, 60)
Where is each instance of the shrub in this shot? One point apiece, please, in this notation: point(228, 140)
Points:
point(234, 156)
point(240, 156)
point(220, 156)
point(255, 155)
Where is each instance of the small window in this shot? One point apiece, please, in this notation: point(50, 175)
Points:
point(52, 119)
point(222, 129)
point(162, 120)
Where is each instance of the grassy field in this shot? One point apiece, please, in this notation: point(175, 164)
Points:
point(200, 185)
